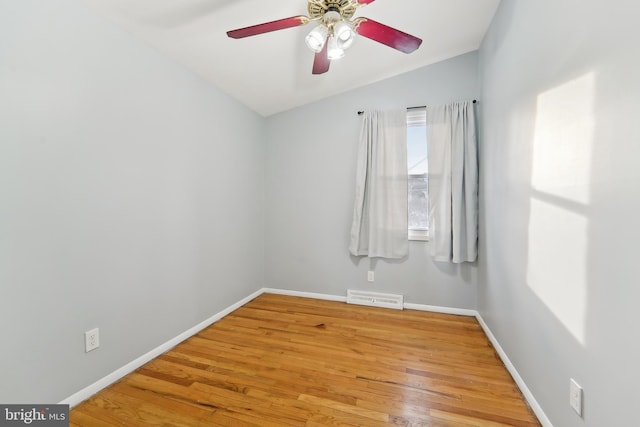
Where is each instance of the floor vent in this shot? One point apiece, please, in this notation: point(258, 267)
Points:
point(375, 299)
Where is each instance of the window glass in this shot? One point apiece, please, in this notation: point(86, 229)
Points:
point(418, 180)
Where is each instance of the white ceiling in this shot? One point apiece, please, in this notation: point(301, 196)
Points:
point(271, 72)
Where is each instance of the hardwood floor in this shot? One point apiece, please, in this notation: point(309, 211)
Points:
point(288, 361)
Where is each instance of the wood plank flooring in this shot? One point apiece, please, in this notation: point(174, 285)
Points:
point(288, 361)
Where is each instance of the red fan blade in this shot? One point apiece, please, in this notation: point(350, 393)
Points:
point(280, 24)
point(386, 35)
point(321, 61)
point(365, 2)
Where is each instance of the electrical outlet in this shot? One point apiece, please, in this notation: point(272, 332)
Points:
point(575, 396)
point(371, 276)
point(91, 340)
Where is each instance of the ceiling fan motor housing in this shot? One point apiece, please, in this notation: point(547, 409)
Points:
point(318, 8)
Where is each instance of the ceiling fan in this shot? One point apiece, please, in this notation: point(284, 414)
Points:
point(335, 30)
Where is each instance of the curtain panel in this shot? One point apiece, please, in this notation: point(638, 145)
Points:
point(453, 182)
point(379, 227)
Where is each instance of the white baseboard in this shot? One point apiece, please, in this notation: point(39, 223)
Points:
point(408, 306)
point(92, 389)
point(533, 403)
point(439, 309)
point(304, 294)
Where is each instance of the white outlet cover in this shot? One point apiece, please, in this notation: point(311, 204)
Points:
point(575, 396)
point(91, 340)
point(371, 276)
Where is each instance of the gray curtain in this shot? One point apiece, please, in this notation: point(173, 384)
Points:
point(453, 182)
point(379, 227)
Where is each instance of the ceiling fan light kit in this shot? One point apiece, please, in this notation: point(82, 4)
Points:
point(335, 31)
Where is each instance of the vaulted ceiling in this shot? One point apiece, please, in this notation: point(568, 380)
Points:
point(271, 72)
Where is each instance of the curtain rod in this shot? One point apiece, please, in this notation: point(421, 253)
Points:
point(411, 108)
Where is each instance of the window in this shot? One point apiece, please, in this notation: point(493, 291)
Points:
point(417, 166)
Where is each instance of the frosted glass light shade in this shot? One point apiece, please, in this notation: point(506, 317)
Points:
point(334, 50)
point(344, 34)
point(316, 38)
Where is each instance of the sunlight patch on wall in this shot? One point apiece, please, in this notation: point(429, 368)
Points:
point(557, 263)
point(558, 227)
point(563, 140)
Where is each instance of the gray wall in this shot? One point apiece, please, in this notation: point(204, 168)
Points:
point(557, 274)
point(310, 181)
point(131, 199)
